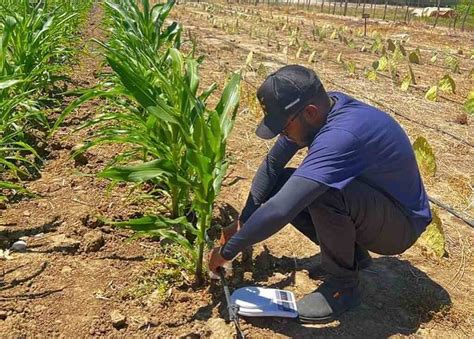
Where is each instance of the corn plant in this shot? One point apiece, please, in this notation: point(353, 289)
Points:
point(176, 141)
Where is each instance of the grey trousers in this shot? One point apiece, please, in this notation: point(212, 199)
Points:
point(358, 215)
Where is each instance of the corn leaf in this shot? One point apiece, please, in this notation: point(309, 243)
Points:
point(8, 83)
point(142, 172)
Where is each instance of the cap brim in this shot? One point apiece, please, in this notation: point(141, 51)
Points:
point(264, 132)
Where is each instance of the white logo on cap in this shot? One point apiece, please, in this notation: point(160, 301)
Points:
point(291, 104)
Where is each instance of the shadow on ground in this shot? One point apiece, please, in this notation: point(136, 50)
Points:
point(396, 299)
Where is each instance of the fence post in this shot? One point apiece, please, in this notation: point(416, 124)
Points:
point(465, 15)
point(406, 13)
point(437, 15)
point(345, 7)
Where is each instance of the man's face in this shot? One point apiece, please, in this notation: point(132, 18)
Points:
point(300, 130)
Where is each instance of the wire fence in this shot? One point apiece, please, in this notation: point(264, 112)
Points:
point(455, 14)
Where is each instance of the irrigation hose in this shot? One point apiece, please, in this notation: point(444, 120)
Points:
point(459, 215)
point(232, 309)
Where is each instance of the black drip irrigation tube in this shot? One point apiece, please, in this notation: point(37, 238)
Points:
point(457, 214)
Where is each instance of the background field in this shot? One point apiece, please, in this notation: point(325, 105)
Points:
point(78, 271)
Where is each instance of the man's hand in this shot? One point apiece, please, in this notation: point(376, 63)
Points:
point(216, 260)
point(228, 232)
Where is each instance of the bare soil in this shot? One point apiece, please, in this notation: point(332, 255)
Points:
point(78, 275)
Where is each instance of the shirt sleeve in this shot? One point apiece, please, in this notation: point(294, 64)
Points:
point(266, 177)
point(273, 215)
point(334, 159)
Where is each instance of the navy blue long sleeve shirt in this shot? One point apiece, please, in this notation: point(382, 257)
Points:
point(263, 217)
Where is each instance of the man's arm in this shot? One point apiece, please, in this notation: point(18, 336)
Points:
point(270, 217)
point(265, 178)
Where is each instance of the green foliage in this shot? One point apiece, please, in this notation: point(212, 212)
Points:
point(382, 64)
point(432, 93)
point(452, 63)
point(447, 84)
point(433, 238)
point(391, 45)
point(159, 274)
point(377, 46)
point(425, 157)
point(350, 67)
point(36, 42)
point(469, 104)
point(414, 58)
point(406, 82)
point(371, 74)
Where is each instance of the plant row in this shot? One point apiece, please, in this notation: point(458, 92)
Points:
point(393, 56)
point(36, 40)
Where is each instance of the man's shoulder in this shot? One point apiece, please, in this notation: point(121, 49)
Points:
point(335, 138)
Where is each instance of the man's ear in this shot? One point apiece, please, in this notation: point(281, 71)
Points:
point(311, 112)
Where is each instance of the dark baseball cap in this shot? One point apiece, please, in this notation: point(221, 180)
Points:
point(283, 94)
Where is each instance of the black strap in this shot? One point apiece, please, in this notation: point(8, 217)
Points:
point(232, 309)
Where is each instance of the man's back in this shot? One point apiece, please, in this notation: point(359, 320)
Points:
point(360, 141)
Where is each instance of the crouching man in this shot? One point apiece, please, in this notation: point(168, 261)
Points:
point(357, 189)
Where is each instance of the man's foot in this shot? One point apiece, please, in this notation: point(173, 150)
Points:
point(327, 302)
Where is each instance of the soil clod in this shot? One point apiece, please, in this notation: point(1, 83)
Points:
point(118, 319)
point(93, 241)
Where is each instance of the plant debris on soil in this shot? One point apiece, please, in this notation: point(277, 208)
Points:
point(80, 277)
